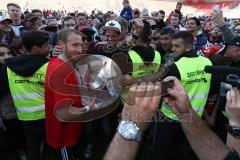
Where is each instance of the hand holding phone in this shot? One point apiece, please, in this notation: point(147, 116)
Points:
point(215, 7)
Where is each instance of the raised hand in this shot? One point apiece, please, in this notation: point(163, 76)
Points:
point(178, 99)
point(217, 17)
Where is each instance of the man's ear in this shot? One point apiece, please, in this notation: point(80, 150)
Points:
point(189, 47)
point(35, 49)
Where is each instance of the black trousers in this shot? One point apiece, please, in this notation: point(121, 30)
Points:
point(171, 142)
point(13, 138)
point(67, 153)
point(35, 134)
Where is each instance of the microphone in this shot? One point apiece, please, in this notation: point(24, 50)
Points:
point(222, 70)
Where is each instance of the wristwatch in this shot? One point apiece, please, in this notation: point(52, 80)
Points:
point(234, 131)
point(129, 131)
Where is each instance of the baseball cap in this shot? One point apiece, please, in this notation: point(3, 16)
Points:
point(30, 16)
point(86, 29)
point(112, 25)
point(5, 17)
point(235, 42)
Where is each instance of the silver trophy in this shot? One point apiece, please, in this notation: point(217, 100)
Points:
point(99, 87)
point(98, 93)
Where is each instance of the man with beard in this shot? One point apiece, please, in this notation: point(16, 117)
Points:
point(215, 36)
point(112, 30)
point(166, 35)
point(62, 91)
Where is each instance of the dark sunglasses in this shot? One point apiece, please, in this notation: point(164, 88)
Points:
point(155, 38)
point(70, 25)
point(236, 30)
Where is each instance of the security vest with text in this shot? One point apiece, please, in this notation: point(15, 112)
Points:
point(141, 69)
point(196, 83)
point(28, 94)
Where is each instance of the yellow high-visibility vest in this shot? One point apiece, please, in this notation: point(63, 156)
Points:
point(140, 69)
point(28, 94)
point(195, 81)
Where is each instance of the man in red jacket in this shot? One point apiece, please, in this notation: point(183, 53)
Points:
point(62, 91)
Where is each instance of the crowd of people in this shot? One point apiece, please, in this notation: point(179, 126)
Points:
point(168, 101)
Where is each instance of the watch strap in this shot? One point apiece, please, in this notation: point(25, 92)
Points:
point(234, 131)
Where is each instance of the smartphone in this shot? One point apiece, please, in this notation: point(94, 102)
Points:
point(215, 7)
point(165, 86)
point(51, 28)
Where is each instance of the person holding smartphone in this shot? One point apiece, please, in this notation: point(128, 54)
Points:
point(144, 99)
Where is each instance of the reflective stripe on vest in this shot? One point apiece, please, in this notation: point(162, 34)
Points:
point(28, 94)
point(195, 81)
point(31, 109)
point(140, 69)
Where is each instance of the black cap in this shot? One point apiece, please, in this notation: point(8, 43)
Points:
point(87, 30)
point(235, 42)
point(30, 16)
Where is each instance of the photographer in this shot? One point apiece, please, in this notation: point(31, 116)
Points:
point(31, 23)
point(138, 102)
point(158, 17)
point(52, 28)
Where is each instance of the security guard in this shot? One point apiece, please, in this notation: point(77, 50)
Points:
point(189, 69)
point(143, 60)
point(26, 77)
point(140, 69)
